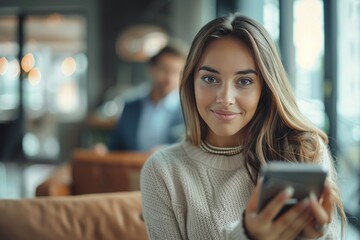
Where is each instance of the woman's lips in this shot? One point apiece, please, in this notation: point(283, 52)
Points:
point(224, 115)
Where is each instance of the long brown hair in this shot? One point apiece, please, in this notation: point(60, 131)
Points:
point(278, 129)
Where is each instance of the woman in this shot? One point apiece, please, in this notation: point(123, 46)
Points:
point(240, 113)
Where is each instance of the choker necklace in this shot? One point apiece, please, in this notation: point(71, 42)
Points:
point(227, 151)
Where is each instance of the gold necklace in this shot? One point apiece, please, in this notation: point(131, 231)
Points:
point(227, 151)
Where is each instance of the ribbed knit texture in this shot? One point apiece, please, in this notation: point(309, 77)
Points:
point(190, 194)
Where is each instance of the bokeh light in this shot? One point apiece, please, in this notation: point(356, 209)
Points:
point(34, 76)
point(28, 62)
point(3, 65)
point(68, 66)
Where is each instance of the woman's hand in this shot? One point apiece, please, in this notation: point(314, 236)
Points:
point(321, 212)
point(263, 225)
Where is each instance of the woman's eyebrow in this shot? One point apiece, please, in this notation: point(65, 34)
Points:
point(209, 69)
point(241, 72)
point(247, 71)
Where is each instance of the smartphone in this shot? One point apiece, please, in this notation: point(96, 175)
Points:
point(305, 178)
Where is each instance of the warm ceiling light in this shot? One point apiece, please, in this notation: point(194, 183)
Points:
point(140, 42)
point(68, 66)
point(34, 76)
point(54, 19)
point(153, 42)
point(3, 65)
point(28, 62)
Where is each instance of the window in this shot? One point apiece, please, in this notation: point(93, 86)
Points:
point(9, 69)
point(54, 67)
point(348, 104)
point(54, 90)
point(272, 18)
point(309, 54)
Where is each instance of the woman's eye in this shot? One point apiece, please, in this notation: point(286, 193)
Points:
point(209, 79)
point(244, 82)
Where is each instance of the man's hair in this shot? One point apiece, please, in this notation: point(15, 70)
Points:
point(173, 49)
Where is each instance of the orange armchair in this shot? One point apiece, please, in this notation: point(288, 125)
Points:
point(92, 172)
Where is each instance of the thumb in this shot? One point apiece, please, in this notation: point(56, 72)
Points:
point(253, 201)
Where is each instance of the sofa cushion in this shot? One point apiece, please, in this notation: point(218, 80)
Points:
point(91, 217)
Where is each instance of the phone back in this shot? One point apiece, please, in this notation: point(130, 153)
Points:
point(303, 177)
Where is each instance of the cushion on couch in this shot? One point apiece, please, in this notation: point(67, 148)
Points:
point(91, 217)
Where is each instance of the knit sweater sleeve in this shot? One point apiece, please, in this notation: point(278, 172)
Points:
point(158, 212)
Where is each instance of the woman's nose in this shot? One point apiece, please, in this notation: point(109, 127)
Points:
point(226, 96)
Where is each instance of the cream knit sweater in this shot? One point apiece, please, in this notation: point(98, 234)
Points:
point(190, 194)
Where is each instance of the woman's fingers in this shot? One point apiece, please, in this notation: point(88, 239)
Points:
point(293, 221)
point(297, 226)
point(321, 214)
point(306, 218)
point(272, 209)
point(289, 224)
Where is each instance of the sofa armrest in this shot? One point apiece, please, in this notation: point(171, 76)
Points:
point(110, 216)
point(58, 184)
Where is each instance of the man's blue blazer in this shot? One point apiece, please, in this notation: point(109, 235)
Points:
point(124, 135)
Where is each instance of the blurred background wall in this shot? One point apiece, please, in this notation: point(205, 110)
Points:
point(66, 67)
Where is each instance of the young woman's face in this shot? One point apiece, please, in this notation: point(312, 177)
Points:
point(227, 90)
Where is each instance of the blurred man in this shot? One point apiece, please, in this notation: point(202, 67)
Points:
point(157, 118)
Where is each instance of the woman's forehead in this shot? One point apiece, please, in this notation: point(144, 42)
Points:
point(227, 52)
